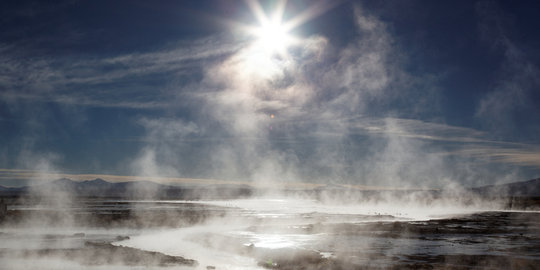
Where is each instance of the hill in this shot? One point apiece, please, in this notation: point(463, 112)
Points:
point(529, 188)
point(126, 190)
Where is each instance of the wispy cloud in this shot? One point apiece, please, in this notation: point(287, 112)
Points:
point(306, 118)
point(518, 77)
point(328, 111)
point(105, 82)
point(521, 156)
point(469, 142)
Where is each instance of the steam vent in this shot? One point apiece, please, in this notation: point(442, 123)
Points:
point(269, 134)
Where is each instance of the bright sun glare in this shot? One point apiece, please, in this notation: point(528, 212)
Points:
point(273, 36)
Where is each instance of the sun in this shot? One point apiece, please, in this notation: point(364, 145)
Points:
point(273, 36)
point(271, 45)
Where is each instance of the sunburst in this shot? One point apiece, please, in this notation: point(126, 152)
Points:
point(268, 52)
point(273, 34)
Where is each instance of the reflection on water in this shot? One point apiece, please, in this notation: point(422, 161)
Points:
point(329, 230)
point(248, 232)
point(275, 241)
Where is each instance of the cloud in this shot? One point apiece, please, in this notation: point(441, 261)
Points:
point(38, 161)
point(237, 98)
point(326, 112)
point(362, 72)
point(29, 9)
point(317, 97)
point(522, 156)
point(162, 155)
point(66, 79)
point(312, 116)
point(511, 100)
point(465, 142)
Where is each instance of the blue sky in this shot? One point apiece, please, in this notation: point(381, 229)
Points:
point(398, 93)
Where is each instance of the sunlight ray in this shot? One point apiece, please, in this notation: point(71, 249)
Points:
point(314, 11)
point(258, 11)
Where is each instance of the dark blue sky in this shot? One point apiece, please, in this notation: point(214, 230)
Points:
point(407, 93)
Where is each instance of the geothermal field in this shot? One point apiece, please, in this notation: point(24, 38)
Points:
point(327, 229)
point(269, 134)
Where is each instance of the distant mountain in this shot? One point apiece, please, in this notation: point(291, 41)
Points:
point(530, 188)
point(136, 189)
point(3, 188)
point(151, 190)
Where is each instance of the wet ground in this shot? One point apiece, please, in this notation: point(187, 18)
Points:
point(265, 234)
